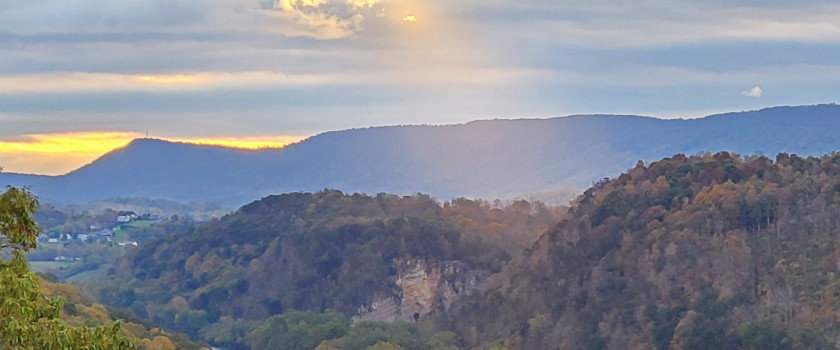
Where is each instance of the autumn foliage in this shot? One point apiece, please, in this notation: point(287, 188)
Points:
point(699, 252)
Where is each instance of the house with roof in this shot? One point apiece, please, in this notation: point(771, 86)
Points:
point(104, 235)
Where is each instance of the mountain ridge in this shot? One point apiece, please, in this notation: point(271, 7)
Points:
point(483, 158)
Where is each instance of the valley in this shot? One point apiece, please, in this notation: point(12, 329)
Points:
point(737, 251)
point(419, 175)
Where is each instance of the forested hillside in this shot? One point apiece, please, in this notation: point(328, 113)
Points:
point(381, 258)
point(480, 159)
point(711, 252)
point(688, 252)
point(143, 334)
point(38, 313)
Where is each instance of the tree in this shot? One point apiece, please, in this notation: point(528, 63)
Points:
point(28, 319)
point(298, 330)
point(18, 230)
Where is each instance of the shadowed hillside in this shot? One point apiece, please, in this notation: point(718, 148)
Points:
point(492, 158)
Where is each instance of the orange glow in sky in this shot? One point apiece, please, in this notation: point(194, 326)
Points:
point(57, 154)
point(245, 142)
point(168, 79)
point(409, 18)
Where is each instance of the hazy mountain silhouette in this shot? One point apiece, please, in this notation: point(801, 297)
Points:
point(488, 158)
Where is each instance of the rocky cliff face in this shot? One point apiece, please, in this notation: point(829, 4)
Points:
point(422, 286)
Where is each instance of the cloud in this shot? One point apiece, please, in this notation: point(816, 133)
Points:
point(754, 92)
point(247, 66)
point(598, 23)
point(109, 82)
point(580, 22)
point(91, 16)
point(416, 77)
point(328, 19)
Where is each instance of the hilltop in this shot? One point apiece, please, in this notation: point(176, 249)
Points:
point(713, 252)
point(382, 258)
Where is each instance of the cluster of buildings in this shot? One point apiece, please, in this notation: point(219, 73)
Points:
point(98, 234)
point(63, 237)
point(101, 236)
point(66, 258)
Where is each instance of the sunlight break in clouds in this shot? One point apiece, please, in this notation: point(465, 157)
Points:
point(60, 153)
point(332, 19)
point(754, 92)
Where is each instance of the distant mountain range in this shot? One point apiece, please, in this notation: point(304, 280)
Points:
point(487, 158)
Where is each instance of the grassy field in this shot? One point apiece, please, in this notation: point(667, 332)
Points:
point(121, 231)
point(138, 223)
point(63, 270)
point(48, 266)
point(87, 275)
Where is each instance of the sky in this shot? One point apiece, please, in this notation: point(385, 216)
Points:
point(81, 77)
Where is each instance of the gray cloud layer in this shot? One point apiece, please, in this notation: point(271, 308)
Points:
point(356, 63)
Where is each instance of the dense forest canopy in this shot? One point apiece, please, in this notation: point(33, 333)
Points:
point(688, 252)
point(312, 252)
point(699, 252)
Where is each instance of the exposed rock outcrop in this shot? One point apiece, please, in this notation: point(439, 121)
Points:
point(423, 286)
